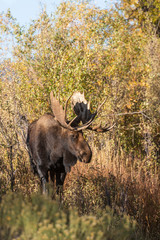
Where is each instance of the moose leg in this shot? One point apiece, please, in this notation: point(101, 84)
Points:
point(43, 183)
point(60, 177)
point(43, 174)
point(52, 177)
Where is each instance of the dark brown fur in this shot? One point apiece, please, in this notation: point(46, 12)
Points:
point(55, 149)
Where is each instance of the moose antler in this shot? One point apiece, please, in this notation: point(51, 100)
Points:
point(60, 115)
point(58, 111)
point(82, 109)
point(101, 129)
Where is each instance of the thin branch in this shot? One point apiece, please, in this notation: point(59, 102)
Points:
point(122, 114)
point(148, 117)
point(142, 113)
point(128, 113)
point(8, 146)
point(131, 113)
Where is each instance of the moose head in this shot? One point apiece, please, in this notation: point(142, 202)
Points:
point(56, 143)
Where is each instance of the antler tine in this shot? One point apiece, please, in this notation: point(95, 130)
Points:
point(100, 129)
point(65, 109)
point(109, 128)
point(87, 124)
point(70, 123)
point(88, 115)
point(59, 113)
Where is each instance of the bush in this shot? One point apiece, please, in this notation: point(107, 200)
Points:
point(41, 218)
point(126, 189)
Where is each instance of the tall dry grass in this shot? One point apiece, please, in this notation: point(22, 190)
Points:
point(127, 185)
point(113, 178)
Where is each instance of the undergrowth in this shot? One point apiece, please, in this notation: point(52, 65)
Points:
point(125, 188)
point(113, 197)
point(41, 218)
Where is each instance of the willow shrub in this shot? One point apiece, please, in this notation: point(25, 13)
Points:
point(81, 47)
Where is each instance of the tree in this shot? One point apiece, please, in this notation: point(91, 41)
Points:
point(145, 12)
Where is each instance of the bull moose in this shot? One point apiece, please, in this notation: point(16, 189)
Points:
point(55, 143)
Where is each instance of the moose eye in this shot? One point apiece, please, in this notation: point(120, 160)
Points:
point(74, 137)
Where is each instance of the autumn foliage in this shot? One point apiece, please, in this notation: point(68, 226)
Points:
point(110, 53)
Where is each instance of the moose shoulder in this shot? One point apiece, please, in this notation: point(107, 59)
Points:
point(55, 144)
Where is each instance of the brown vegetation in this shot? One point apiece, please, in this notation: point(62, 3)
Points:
point(104, 54)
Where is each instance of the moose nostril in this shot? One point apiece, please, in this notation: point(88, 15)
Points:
point(86, 157)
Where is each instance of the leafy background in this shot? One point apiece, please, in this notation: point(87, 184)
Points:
point(113, 53)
